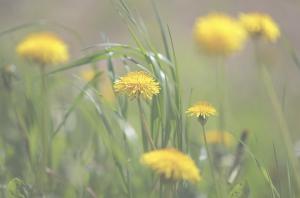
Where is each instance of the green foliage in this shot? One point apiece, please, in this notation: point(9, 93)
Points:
point(65, 137)
point(240, 190)
point(16, 188)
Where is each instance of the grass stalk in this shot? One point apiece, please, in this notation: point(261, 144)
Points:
point(285, 133)
point(21, 128)
point(279, 114)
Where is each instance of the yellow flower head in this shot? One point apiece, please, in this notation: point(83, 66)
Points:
point(136, 84)
point(43, 48)
point(88, 74)
point(172, 164)
point(258, 24)
point(202, 109)
point(219, 34)
point(219, 137)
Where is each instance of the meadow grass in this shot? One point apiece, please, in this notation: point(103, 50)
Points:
point(65, 134)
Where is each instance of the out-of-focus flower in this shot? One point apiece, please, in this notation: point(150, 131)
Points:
point(106, 90)
point(219, 34)
point(87, 74)
point(43, 48)
point(136, 84)
point(259, 24)
point(172, 164)
point(219, 137)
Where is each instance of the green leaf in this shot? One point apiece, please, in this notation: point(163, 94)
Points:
point(111, 51)
point(162, 31)
point(240, 190)
point(85, 60)
point(16, 188)
point(75, 103)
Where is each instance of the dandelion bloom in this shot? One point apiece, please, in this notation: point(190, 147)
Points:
point(43, 48)
point(88, 74)
point(219, 137)
point(258, 24)
point(136, 84)
point(172, 164)
point(202, 109)
point(219, 34)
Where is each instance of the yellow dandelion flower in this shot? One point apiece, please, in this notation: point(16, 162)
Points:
point(43, 48)
point(88, 74)
point(202, 109)
point(172, 164)
point(219, 34)
point(219, 137)
point(258, 24)
point(136, 84)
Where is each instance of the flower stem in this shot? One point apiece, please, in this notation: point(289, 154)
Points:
point(43, 129)
point(220, 93)
point(168, 188)
point(219, 194)
point(145, 130)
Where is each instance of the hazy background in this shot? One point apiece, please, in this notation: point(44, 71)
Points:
point(90, 19)
point(247, 104)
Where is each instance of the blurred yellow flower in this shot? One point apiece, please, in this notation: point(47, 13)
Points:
point(172, 164)
point(87, 74)
point(107, 91)
point(202, 109)
point(259, 24)
point(219, 137)
point(219, 34)
point(43, 48)
point(136, 84)
point(104, 84)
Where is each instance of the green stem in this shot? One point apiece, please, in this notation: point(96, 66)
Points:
point(219, 194)
point(169, 192)
point(220, 75)
point(160, 188)
point(145, 130)
point(43, 129)
point(169, 189)
point(284, 92)
point(109, 130)
point(21, 128)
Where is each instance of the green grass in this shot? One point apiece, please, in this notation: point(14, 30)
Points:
point(61, 136)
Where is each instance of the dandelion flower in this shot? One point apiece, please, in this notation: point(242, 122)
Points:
point(219, 137)
point(258, 24)
point(136, 84)
point(88, 74)
point(172, 164)
point(43, 48)
point(219, 34)
point(202, 109)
